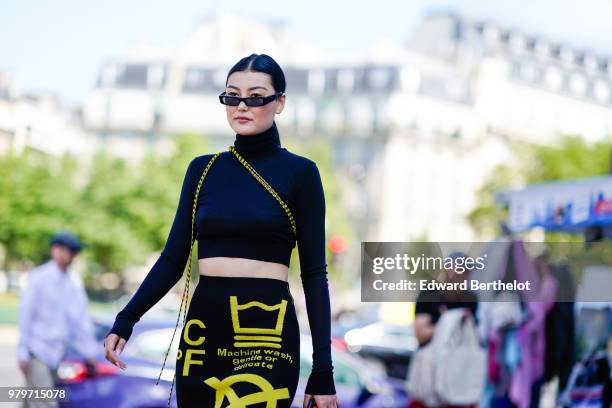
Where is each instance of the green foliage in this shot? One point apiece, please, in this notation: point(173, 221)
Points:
point(34, 202)
point(486, 217)
point(121, 211)
point(572, 157)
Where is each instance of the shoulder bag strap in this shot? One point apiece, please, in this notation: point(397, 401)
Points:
point(266, 186)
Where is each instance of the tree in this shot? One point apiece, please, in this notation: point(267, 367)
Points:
point(121, 211)
point(136, 205)
point(571, 157)
point(35, 200)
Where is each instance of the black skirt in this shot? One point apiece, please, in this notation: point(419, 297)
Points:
point(240, 345)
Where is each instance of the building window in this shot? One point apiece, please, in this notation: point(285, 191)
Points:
point(553, 78)
point(131, 76)
point(196, 81)
point(306, 113)
point(579, 58)
point(346, 80)
point(108, 75)
point(531, 43)
point(567, 55)
point(456, 89)
point(297, 79)
point(542, 48)
point(331, 80)
point(359, 81)
point(528, 71)
point(360, 115)
point(505, 36)
point(379, 78)
point(218, 79)
point(491, 33)
point(410, 79)
point(578, 84)
point(156, 76)
point(591, 62)
point(316, 81)
point(601, 91)
point(517, 42)
point(332, 117)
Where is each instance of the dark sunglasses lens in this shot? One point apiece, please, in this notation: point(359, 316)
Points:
point(230, 100)
point(256, 101)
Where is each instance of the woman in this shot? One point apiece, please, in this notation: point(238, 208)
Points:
point(249, 206)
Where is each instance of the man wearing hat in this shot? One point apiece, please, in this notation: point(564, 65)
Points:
point(53, 314)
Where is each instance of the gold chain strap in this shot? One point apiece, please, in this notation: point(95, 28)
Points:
point(266, 186)
point(187, 280)
point(193, 214)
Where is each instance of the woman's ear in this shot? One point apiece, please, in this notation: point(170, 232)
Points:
point(281, 103)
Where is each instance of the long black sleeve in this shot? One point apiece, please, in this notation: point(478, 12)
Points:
point(168, 268)
point(310, 224)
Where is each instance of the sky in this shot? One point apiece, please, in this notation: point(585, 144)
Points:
point(58, 46)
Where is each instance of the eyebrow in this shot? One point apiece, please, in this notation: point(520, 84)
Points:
point(250, 89)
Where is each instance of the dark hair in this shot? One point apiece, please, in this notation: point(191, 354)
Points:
point(261, 63)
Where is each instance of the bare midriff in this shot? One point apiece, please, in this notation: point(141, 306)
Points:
point(242, 267)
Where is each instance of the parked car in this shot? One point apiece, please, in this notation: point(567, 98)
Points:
point(358, 383)
point(392, 345)
point(134, 387)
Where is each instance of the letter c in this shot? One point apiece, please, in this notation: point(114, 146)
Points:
point(200, 340)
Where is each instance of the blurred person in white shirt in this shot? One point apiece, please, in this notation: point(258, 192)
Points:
point(53, 314)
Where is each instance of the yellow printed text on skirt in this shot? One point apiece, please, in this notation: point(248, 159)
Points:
point(240, 345)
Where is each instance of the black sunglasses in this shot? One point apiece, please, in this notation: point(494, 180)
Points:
point(251, 101)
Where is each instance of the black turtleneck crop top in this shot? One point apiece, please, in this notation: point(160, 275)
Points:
point(237, 217)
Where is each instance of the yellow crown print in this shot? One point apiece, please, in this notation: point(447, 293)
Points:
point(257, 336)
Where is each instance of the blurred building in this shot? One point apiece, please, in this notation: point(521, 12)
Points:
point(415, 127)
point(476, 86)
point(151, 92)
point(40, 122)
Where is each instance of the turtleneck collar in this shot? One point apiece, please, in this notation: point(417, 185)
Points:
point(260, 143)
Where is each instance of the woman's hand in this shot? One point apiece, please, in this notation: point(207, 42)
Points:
point(23, 366)
point(113, 346)
point(322, 401)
